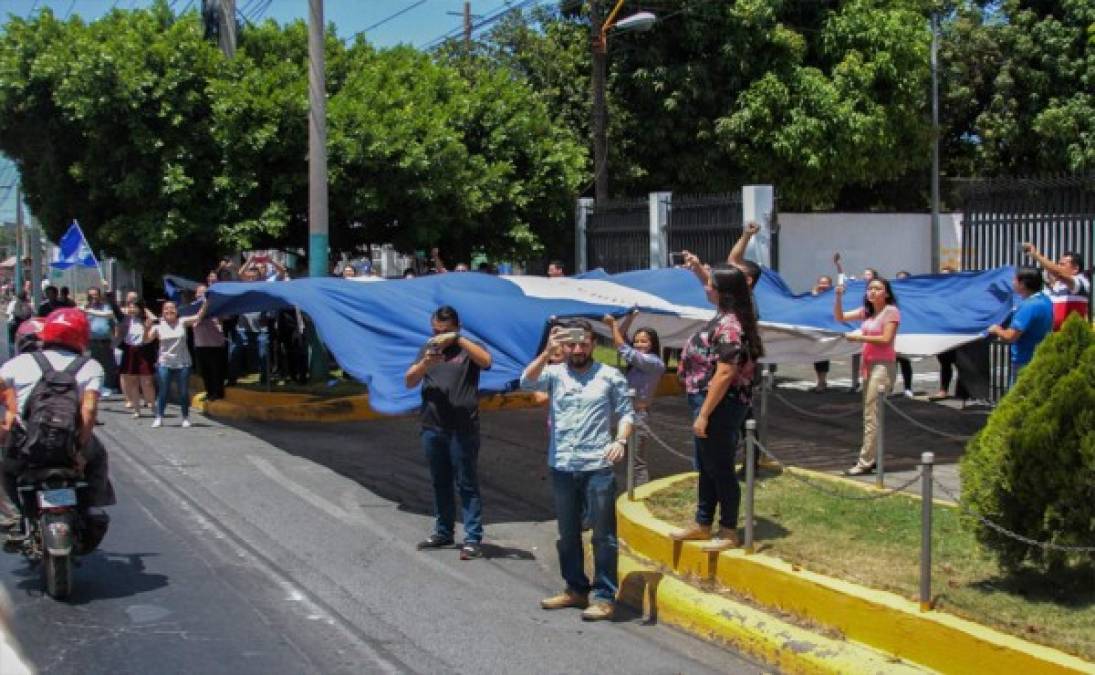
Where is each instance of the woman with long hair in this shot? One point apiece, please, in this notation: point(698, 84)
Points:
point(717, 368)
point(645, 367)
point(137, 368)
point(878, 369)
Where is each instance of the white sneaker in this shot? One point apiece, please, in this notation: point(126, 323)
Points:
point(185, 423)
point(157, 423)
point(909, 394)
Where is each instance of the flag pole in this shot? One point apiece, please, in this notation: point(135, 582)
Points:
point(102, 277)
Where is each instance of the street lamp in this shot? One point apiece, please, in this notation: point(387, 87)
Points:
point(640, 21)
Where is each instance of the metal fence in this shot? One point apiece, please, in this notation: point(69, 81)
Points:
point(707, 225)
point(1055, 214)
point(618, 235)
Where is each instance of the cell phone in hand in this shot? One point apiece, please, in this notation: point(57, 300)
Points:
point(574, 335)
point(676, 258)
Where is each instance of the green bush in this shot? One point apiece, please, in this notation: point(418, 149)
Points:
point(1032, 468)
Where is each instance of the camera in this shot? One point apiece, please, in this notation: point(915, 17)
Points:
point(676, 258)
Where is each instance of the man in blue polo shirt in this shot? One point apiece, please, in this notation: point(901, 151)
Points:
point(1033, 320)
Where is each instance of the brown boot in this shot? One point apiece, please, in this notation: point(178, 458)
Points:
point(694, 532)
point(598, 611)
point(724, 540)
point(567, 598)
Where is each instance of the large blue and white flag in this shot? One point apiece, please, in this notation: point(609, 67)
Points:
point(375, 330)
point(73, 250)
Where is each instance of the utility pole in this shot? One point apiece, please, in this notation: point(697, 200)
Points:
point(600, 142)
point(35, 261)
point(19, 244)
point(226, 27)
point(935, 142)
point(318, 242)
point(468, 16)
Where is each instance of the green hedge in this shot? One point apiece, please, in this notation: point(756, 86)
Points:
point(1032, 468)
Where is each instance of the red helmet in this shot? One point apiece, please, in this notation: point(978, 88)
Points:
point(66, 327)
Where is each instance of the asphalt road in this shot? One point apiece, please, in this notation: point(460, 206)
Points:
point(291, 550)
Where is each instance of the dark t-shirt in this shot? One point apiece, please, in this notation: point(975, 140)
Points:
point(450, 392)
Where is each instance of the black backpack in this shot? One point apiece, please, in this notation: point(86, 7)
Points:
point(52, 414)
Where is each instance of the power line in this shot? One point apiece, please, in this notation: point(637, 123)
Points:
point(385, 20)
point(489, 19)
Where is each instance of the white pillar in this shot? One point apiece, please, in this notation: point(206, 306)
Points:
point(757, 204)
point(581, 217)
point(659, 229)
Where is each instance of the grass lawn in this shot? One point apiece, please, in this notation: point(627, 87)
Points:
point(877, 544)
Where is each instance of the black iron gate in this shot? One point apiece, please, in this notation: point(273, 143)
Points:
point(618, 235)
point(1055, 214)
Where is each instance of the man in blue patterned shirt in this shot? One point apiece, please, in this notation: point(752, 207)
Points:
point(587, 400)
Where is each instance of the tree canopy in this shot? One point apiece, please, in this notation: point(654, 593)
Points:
point(168, 152)
point(138, 126)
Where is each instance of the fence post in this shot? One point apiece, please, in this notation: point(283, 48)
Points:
point(927, 459)
point(630, 451)
point(758, 204)
point(581, 220)
point(659, 229)
point(765, 385)
point(880, 438)
point(750, 481)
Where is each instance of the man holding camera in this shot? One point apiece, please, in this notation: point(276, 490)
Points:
point(585, 397)
point(448, 367)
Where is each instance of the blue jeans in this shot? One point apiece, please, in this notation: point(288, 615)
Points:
point(596, 491)
point(248, 352)
point(164, 377)
point(717, 484)
point(454, 455)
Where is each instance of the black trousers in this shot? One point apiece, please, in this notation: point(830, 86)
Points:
point(906, 371)
point(212, 365)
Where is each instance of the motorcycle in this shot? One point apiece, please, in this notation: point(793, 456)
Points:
point(56, 526)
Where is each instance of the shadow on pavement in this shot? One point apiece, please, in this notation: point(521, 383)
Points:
point(102, 575)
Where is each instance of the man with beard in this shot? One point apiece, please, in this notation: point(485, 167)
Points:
point(585, 397)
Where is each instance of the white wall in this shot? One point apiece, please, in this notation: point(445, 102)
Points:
point(888, 242)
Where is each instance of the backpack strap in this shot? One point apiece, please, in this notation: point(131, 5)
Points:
point(43, 363)
point(76, 365)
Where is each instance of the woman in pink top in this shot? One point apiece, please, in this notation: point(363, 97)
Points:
point(881, 319)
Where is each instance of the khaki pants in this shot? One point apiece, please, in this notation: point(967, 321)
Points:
point(880, 374)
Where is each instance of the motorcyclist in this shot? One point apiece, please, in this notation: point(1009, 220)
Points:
point(64, 337)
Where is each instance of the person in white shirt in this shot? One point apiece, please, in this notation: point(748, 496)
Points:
point(173, 363)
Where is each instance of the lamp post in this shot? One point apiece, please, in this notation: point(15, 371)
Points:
point(599, 27)
point(935, 142)
point(318, 242)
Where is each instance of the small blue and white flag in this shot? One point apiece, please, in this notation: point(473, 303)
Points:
point(73, 250)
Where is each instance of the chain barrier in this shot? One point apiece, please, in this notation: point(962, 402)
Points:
point(888, 492)
point(925, 427)
point(1049, 546)
point(802, 479)
point(809, 413)
point(644, 427)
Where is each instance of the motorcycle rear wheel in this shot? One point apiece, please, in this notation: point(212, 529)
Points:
point(58, 571)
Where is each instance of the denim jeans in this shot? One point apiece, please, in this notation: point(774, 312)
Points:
point(454, 456)
point(249, 352)
point(717, 483)
point(595, 490)
point(164, 377)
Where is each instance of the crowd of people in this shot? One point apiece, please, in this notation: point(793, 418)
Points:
point(593, 408)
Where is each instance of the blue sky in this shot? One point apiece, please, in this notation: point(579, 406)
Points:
point(422, 22)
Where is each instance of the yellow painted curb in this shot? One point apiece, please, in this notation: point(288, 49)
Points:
point(785, 646)
point(882, 620)
point(263, 406)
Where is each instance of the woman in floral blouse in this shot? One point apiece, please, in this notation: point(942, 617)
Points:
point(717, 368)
